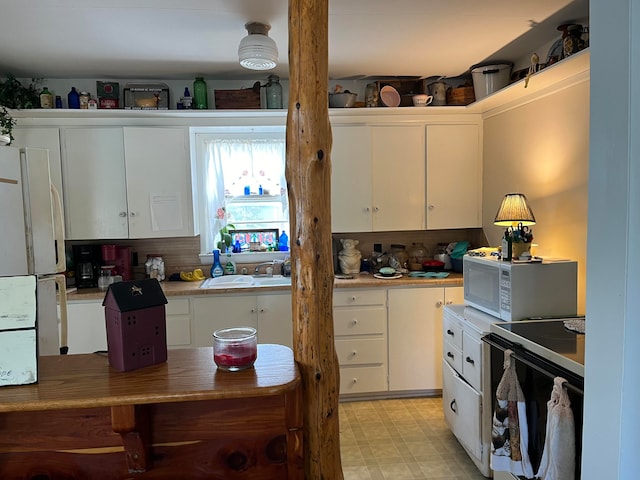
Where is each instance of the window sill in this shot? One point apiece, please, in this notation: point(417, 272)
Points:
point(247, 257)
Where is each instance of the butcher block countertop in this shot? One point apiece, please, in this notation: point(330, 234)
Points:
point(172, 289)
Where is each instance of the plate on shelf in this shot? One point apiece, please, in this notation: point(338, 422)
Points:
point(387, 277)
point(389, 96)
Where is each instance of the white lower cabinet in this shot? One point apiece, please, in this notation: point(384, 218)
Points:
point(415, 336)
point(270, 314)
point(87, 332)
point(360, 327)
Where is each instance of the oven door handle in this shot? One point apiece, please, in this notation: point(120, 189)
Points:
point(518, 352)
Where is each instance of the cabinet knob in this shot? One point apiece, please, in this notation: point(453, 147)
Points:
point(122, 214)
point(439, 304)
point(450, 332)
point(375, 209)
point(262, 310)
point(354, 321)
point(470, 360)
point(449, 354)
point(353, 299)
point(253, 310)
point(132, 214)
point(431, 207)
point(367, 209)
point(449, 302)
point(354, 380)
point(354, 353)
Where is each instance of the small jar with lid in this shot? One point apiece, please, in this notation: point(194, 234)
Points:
point(399, 255)
point(84, 100)
point(417, 255)
point(274, 92)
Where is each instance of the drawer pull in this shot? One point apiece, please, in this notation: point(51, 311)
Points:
point(354, 353)
point(449, 354)
point(452, 405)
point(353, 299)
point(450, 332)
point(470, 360)
point(354, 321)
point(354, 380)
point(438, 303)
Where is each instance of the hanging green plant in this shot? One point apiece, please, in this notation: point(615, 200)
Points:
point(6, 126)
point(15, 95)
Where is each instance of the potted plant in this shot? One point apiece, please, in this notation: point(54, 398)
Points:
point(15, 95)
point(7, 123)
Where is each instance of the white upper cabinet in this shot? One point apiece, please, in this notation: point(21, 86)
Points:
point(378, 178)
point(454, 176)
point(132, 182)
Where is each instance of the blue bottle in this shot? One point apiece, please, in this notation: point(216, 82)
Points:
point(73, 98)
point(237, 248)
point(283, 242)
point(216, 267)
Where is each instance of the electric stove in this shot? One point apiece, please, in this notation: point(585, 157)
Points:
point(549, 339)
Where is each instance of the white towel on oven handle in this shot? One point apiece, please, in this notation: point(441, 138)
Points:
point(558, 460)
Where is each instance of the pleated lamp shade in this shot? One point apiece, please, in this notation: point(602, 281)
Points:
point(514, 210)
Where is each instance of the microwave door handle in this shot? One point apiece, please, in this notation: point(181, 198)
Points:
point(58, 229)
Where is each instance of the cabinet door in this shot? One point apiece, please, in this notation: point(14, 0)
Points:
point(87, 331)
point(454, 176)
point(158, 173)
point(95, 197)
point(275, 319)
point(218, 311)
point(43, 137)
point(454, 295)
point(398, 178)
point(415, 338)
point(351, 179)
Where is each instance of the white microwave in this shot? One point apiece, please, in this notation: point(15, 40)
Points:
point(515, 291)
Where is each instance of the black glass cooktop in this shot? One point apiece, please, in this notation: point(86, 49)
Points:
point(550, 339)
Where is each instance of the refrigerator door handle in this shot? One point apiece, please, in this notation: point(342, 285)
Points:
point(61, 281)
point(58, 228)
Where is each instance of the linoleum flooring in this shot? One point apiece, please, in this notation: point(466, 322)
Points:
point(401, 439)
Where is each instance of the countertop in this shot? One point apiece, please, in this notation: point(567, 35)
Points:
point(173, 289)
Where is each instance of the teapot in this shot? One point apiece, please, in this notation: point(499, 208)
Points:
point(439, 91)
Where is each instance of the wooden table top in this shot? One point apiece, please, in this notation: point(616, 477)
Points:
point(85, 381)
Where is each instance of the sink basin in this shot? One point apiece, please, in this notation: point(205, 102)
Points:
point(228, 281)
point(273, 281)
point(245, 281)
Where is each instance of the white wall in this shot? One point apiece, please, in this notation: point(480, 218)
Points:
point(541, 149)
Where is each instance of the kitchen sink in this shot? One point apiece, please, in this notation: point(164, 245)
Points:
point(245, 281)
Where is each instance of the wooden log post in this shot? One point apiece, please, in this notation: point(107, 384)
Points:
point(308, 174)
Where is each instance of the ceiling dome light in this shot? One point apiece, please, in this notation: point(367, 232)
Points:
point(257, 51)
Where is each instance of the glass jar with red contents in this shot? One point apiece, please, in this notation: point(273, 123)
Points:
point(235, 348)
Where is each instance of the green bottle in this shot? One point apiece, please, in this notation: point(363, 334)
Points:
point(200, 94)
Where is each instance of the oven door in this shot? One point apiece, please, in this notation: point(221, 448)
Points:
point(536, 376)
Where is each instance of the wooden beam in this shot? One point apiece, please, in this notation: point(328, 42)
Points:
point(308, 174)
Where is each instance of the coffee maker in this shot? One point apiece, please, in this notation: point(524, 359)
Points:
point(120, 257)
point(87, 262)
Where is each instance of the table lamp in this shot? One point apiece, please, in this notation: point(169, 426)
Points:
point(515, 214)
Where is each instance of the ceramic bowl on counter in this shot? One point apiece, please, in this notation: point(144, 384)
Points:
point(432, 266)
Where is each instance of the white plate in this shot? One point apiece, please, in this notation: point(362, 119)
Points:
point(387, 277)
point(390, 96)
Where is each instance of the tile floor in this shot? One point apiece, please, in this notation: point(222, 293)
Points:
point(401, 439)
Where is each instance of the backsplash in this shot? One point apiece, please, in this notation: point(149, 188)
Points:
point(182, 253)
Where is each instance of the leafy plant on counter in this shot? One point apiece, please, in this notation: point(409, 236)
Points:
point(7, 122)
point(15, 95)
point(225, 238)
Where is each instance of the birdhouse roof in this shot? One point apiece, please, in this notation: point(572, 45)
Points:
point(134, 295)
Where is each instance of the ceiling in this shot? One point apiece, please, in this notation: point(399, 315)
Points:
point(179, 39)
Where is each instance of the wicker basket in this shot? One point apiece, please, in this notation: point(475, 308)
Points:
point(238, 99)
point(460, 96)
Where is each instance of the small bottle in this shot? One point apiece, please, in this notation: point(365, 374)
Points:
point(58, 101)
point(84, 100)
point(507, 246)
point(216, 268)
point(46, 98)
point(283, 242)
point(237, 248)
point(200, 94)
point(260, 190)
point(274, 92)
point(186, 99)
point(73, 98)
point(229, 265)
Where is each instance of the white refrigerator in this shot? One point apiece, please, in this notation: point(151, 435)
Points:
point(32, 245)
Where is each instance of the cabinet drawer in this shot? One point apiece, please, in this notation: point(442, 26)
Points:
point(177, 306)
point(453, 356)
point(452, 331)
point(361, 351)
point(352, 298)
point(472, 361)
point(179, 331)
point(360, 321)
point(363, 379)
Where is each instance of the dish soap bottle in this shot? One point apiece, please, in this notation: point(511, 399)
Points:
point(229, 265)
point(216, 268)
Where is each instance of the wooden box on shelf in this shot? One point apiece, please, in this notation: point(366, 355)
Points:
point(460, 96)
point(238, 99)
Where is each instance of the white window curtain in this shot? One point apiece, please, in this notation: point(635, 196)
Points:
point(232, 164)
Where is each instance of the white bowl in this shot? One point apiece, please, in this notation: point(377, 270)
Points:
point(389, 96)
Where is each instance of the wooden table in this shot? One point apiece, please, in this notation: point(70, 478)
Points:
point(180, 419)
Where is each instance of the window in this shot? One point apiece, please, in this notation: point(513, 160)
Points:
point(242, 183)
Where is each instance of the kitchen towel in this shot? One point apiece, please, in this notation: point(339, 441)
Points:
point(559, 455)
point(509, 433)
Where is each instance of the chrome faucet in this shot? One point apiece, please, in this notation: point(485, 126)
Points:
point(268, 270)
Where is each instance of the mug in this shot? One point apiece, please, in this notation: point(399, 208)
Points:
point(422, 100)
